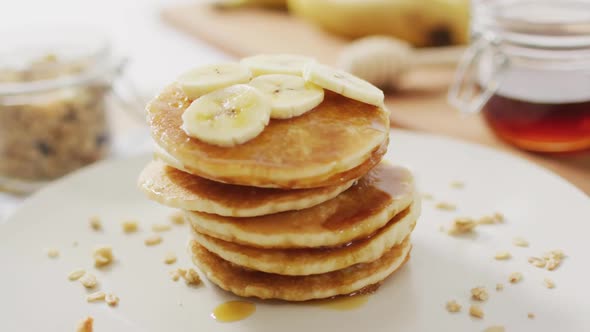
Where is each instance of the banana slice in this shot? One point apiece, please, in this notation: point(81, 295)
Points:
point(289, 95)
point(263, 64)
point(202, 80)
point(227, 117)
point(343, 83)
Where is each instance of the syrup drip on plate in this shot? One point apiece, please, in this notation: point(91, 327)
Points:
point(233, 311)
point(345, 303)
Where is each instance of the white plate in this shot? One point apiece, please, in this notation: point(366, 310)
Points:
point(543, 208)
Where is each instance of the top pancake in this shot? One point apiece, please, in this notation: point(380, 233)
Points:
point(303, 152)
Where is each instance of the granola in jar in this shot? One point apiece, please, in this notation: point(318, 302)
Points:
point(52, 119)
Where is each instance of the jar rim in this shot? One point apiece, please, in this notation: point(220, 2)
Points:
point(546, 24)
point(71, 42)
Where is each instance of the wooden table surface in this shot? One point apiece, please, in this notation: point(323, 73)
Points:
point(420, 104)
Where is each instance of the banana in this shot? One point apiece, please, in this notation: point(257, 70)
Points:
point(420, 22)
point(263, 64)
point(205, 79)
point(289, 95)
point(343, 83)
point(227, 117)
point(379, 60)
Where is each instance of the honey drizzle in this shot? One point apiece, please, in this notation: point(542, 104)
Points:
point(345, 303)
point(233, 311)
point(351, 301)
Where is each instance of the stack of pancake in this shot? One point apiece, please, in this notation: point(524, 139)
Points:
point(305, 210)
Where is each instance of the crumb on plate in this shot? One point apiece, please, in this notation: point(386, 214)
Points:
point(130, 226)
point(191, 277)
point(549, 283)
point(95, 223)
point(502, 255)
point(515, 277)
point(95, 297)
point(445, 206)
point(170, 258)
point(76, 274)
point(520, 242)
point(479, 294)
point(111, 299)
point(453, 306)
point(85, 325)
point(88, 280)
point(52, 253)
point(462, 225)
point(153, 240)
point(476, 311)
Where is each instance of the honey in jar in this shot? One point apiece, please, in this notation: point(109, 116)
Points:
point(538, 126)
point(528, 72)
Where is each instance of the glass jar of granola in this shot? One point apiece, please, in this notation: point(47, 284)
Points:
point(53, 90)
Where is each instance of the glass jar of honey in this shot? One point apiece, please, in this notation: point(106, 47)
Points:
point(528, 73)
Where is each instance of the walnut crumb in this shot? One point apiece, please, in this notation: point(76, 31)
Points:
point(95, 297)
point(153, 240)
point(85, 325)
point(479, 294)
point(111, 299)
point(88, 280)
point(553, 259)
point(161, 228)
point(531, 315)
point(555, 254)
point(499, 287)
point(503, 255)
point(95, 223)
point(130, 226)
point(520, 242)
point(76, 274)
point(496, 218)
point(496, 328)
point(191, 277)
point(103, 256)
point(175, 274)
point(52, 253)
point(476, 311)
point(453, 306)
point(170, 258)
point(462, 225)
point(549, 283)
point(445, 206)
point(515, 277)
point(538, 262)
point(177, 218)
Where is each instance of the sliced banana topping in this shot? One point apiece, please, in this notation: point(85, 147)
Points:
point(263, 64)
point(343, 83)
point(227, 117)
point(289, 95)
point(199, 81)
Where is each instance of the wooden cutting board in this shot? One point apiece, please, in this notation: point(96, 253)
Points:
point(420, 104)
